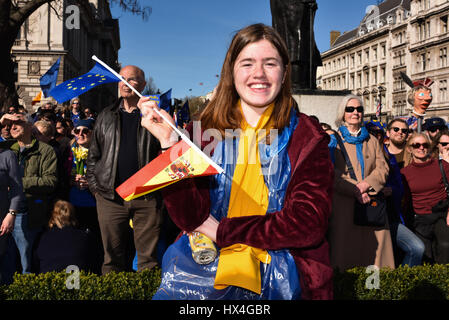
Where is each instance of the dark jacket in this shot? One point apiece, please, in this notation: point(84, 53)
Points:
point(40, 178)
point(104, 149)
point(300, 226)
point(56, 249)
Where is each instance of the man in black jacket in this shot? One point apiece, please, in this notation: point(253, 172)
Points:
point(120, 147)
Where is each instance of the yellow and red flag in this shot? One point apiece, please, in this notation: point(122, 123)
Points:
point(179, 162)
point(37, 98)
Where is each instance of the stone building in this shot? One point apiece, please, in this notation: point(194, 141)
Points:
point(409, 36)
point(74, 33)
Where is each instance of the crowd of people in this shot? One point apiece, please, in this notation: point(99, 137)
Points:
point(281, 214)
point(408, 169)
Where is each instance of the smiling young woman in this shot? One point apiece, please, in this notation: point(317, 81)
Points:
point(286, 190)
point(257, 70)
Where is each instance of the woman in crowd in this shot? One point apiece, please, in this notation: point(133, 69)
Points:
point(441, 146)
point(425, 191)
point(11, 202)
point(76, 114)
point(353, 245)
point(80, 196)
point(411, 247)
point(268, 212)
point(62, 244)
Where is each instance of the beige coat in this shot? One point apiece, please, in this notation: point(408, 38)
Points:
point(352, 245)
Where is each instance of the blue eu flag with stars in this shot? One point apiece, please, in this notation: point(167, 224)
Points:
point(79, 85)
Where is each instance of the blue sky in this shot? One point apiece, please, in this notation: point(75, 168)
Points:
point(183, 43)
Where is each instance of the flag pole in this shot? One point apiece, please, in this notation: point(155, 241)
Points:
point(183, 136)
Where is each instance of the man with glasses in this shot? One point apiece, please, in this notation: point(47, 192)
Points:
point(433, 126)
point(38, 165)
point(411, 247)
point(119, 148)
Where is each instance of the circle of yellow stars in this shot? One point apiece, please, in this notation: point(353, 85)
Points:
point(96, 80)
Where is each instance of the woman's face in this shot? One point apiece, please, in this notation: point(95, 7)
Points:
point(443, 144)
point(420, 148)
point(82, 135)
point(258, 74)
point(354, 117)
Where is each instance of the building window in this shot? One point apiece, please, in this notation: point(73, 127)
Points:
point(382, 74)
point(421, 61)
point(443, 24)
point(443, 57)
point(443, 91)
point(352, 60)
point(367, 78)
point(367, 55)
point(359, 80)
point(383, 50)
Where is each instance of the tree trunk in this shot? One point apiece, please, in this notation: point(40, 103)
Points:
point(8, 94)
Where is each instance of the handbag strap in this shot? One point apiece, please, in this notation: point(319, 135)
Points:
point(345, 155)
point(443, 173)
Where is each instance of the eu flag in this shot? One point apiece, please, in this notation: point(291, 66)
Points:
point(165, 99)
point(183, 115)
point(155, 97)
point(79, 85)
point(48, 80)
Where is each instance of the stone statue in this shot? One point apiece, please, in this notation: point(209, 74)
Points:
point(293, 20)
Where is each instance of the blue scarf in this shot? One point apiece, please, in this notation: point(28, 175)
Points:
point(358, 141)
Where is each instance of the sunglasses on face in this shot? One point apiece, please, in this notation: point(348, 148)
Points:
point(81, 131)
point(396, 129)
point(425, 145)
point(351, 109)
point(444, 143)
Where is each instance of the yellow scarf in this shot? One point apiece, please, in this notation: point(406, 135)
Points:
point(239, 264)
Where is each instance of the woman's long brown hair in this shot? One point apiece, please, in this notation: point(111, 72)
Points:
point(221, 112)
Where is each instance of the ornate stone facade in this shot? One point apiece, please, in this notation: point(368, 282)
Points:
point(71, 32)
point(397, 35)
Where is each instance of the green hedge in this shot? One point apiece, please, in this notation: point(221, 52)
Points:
point(112, 286)
point(404, 283)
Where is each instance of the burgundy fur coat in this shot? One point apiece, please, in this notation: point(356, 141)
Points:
point(300, 226)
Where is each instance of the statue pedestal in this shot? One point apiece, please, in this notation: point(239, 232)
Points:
point(320, 103)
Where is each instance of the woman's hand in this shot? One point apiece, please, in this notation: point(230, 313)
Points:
point(363, 186)
point(209, 228)
point(363, 198)
point(81, 182)
point(7, 224)
point(155, 123)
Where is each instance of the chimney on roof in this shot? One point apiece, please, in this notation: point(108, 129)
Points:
point(334, 36)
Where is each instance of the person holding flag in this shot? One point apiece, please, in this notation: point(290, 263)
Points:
point(267, 212)
point(119, 147)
